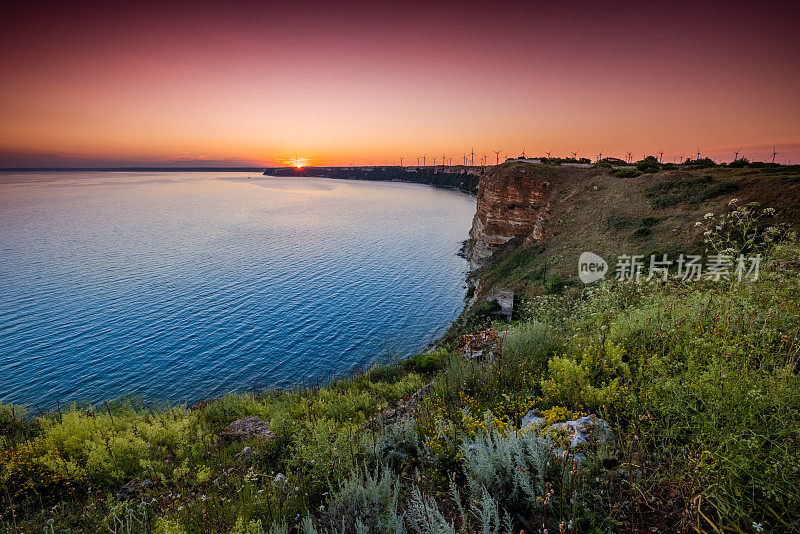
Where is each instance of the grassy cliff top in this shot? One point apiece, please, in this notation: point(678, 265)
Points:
point(653, 213)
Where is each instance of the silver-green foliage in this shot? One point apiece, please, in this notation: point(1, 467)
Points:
point(511, 467)
point(365, 502)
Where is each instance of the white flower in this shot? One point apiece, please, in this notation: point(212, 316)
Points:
point(708, 216)
point(758, 527)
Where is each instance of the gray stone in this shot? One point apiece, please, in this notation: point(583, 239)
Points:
point(532, 419)
point(248, 428)
point(585, 430)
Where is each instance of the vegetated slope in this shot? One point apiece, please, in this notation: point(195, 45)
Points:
point(593, 210)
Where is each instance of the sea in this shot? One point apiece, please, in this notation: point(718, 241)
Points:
point(173, 287)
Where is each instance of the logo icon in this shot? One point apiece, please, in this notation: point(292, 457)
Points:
point(591, 267)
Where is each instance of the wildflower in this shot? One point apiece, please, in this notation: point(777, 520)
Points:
point(758, 527)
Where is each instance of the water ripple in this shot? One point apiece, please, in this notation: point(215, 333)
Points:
point(183, 286)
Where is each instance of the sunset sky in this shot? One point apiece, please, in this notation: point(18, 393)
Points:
point(250, 83)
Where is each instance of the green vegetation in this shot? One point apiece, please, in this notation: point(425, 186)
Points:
point(692, 189)
point(698, 381)
point(626, 173)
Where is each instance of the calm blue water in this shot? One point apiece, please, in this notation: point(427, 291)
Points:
point(181, 286)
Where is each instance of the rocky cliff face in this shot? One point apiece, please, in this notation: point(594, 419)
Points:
point(513, 201)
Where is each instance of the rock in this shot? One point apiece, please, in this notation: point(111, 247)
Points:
point(504, 299)
point(248, 428)
point(245, 456)
point(532, 419)
point(585, 430)
point(133, 488)
point(280, 481)
point(511, 202)
point(482, 345)
point(403, 409)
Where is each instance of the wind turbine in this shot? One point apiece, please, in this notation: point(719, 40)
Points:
point(660, 155)
point(736, 155)
point(698, 154)
point(773, 153)
point(497, 156)
point(444, 161)
point(484, 160)
point(465, 160)
point(423, 160)
point(575, 155)
point(600, 155)
point(401, 162)
point(472, 158)
point(629, 157)
point(523, 153)
point(434, 161)
point(548, 154)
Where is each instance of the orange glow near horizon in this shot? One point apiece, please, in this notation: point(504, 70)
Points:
point(364, 84)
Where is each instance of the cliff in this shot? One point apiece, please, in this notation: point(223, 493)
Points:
point(512, 201)
point(533, 221)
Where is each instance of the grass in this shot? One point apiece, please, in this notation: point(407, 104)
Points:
point(693, 189)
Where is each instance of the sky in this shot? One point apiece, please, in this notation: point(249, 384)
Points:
point(254, 83)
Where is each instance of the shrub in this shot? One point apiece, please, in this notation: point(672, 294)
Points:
point(511, 467)
point(429, 362)
point(648, 165)
point(530, 344)
point(744, 229)
point(626, 173)
point(739, 163)
point(364, 502)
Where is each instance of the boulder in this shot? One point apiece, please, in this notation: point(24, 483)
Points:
point(584, 430)
point(581, 431)
point(250, 427)
point(532, 419)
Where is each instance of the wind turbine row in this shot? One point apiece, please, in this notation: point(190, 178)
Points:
point(469, 157)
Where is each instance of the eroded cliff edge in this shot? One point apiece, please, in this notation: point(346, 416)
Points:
point(513, 201)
